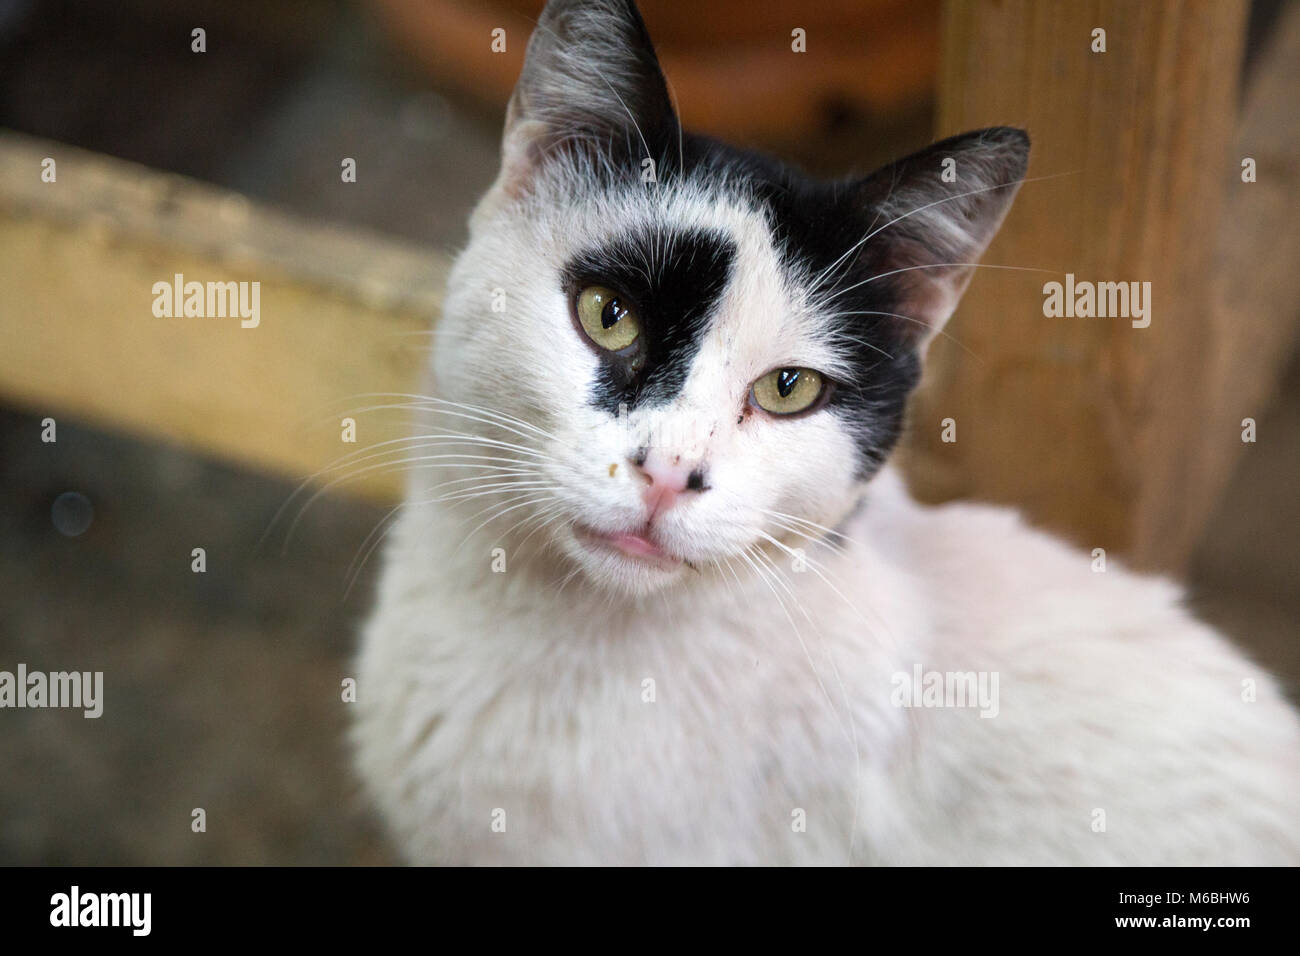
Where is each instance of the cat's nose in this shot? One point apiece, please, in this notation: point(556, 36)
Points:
point(667, 478)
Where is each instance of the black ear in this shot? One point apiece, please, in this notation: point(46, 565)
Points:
point(591, 80)
point(934, 213)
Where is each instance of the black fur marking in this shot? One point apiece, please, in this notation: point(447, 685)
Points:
point(674, 281)
point(814, 223)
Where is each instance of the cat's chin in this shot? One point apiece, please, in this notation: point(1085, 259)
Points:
point(623, 561)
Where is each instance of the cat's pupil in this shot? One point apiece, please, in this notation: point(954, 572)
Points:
point(611, 314)
point(786, 379)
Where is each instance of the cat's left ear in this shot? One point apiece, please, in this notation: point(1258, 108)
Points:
point(933, 214)
point(591, 81)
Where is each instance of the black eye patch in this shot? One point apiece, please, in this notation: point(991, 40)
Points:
point(814, 229)
point(675, 280)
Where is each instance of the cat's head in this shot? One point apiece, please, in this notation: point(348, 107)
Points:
point(683, 350)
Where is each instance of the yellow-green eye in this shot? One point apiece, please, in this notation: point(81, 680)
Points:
point(785, 391)
point(608, 319)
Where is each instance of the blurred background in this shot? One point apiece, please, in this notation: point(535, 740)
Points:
point(223, 688)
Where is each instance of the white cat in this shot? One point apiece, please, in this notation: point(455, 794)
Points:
point(654, 599)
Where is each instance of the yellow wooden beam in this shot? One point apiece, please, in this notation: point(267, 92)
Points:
point(341, 314)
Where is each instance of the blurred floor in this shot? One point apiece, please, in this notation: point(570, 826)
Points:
point(1245, 576)
point(222, 689)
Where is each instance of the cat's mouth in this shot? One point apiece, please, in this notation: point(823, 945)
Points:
point(636, 546)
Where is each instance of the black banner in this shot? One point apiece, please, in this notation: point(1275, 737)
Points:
point(334, 905)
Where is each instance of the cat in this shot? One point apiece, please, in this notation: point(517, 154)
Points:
point(656, 596)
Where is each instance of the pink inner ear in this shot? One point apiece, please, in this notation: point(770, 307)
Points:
point(519, 154)
point(928, 292)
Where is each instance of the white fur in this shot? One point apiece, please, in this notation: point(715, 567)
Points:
point(523, 691)
point(481, 691)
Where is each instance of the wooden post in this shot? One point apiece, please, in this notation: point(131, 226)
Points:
point(1098, 429)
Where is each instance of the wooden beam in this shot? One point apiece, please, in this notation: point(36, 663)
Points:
point(341, 312)
point(1098, 429)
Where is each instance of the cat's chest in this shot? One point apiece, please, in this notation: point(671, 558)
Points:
point(596, 701)
point(723, 719)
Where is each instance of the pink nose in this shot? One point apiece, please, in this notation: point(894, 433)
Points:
point(666, 480)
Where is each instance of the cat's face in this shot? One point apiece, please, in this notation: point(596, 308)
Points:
point(686, 355)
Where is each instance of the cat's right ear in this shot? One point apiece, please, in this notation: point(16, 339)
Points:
point(591, 82)
point(929, 229)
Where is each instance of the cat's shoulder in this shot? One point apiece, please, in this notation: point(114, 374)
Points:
point(1003, 587)
point(985, 553)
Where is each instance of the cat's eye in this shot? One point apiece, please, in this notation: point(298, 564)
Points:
point(608, 318)
point(788, 391)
